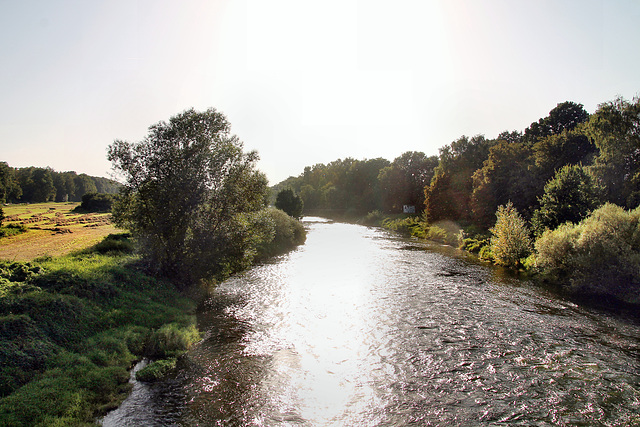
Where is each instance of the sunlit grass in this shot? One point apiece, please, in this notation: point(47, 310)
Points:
point(53, 229)
point(71, 327)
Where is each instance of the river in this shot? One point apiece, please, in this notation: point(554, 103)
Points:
point(361, 327)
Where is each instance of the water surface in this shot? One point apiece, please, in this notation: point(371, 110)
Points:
point(360, 327)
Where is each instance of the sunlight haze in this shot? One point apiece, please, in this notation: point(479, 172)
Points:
point(301, 82)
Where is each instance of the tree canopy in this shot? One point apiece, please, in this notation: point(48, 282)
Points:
point(290, 203)
point(186, 183)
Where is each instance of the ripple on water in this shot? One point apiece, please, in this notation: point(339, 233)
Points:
point(362, 328)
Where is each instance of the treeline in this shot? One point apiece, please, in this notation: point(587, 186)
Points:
point(37, 185)
point(558, 169)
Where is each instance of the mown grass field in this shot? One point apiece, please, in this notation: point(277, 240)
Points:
point(54, 229)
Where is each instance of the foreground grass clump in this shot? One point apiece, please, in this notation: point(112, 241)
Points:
point(71, 327)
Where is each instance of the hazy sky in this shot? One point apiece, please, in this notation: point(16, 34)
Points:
point(302, 82)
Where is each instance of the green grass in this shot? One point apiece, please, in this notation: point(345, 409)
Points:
point(71, 327)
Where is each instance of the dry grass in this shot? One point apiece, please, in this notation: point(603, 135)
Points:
point(53, 230)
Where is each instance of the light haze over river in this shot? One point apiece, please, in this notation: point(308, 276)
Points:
point(361, 327)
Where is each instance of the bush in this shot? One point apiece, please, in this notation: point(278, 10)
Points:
point(373, 218)
point(156, 370)
point(115, 243)
point(97, 202)
point(172, 340)
point(510, 240)
point(447, 232)
point(12, 230)
point(598, 256)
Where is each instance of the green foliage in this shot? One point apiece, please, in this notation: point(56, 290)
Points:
point(70, 328)
point(474, 244)
point(402, 183)
point(9, 186)
point(12, 230)
point(600, 255)
point(290, 203)
point(114, 243)
point(446, 232)
point(344, 185)
point(510, 240)
point(186, 183)
point(156, 370)
point(373, 218)
point(97, 202)
point(569, 197)
point(504, 176)
point(33, 185)
point(285, 233)
point(172, 340)
point(615, 130)
point(448, 197)
point(564, 117)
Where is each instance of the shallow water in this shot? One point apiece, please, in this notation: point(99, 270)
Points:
point(360, 327)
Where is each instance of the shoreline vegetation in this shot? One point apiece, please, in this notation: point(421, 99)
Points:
point(71, 327)
point(195, 211)
point(559, 201)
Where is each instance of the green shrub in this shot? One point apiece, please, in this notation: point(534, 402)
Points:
point(408, 226)
point(447, 232)
point(486, 254)
point(600, 255)
point(510, 239)
point(156, 370)
point(172, 340)
point(12, 230)
point(373, 218)
point(474, 244)
point(24, 351)
point(18, 271)
point(115, 243)
point(274, 232)
point(97, 202)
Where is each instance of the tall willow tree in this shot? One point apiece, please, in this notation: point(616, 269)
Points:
point(186, 184)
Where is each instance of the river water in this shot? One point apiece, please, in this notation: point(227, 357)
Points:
point(361, 327)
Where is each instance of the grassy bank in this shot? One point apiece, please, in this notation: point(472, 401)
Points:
point(71, 327)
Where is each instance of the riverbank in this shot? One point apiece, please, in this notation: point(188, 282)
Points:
point(71, 328)
point(397, 331)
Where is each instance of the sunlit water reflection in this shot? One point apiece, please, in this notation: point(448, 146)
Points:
point(362, 328)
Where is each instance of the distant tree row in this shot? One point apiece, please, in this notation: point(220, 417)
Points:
point(559, 169)
point(36, 185)
point(361, 186)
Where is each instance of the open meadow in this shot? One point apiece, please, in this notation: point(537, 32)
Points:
point(53, 229)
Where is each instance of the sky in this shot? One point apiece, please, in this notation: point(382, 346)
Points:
point(302, 82)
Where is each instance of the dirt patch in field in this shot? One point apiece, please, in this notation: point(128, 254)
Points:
point(53, 229)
